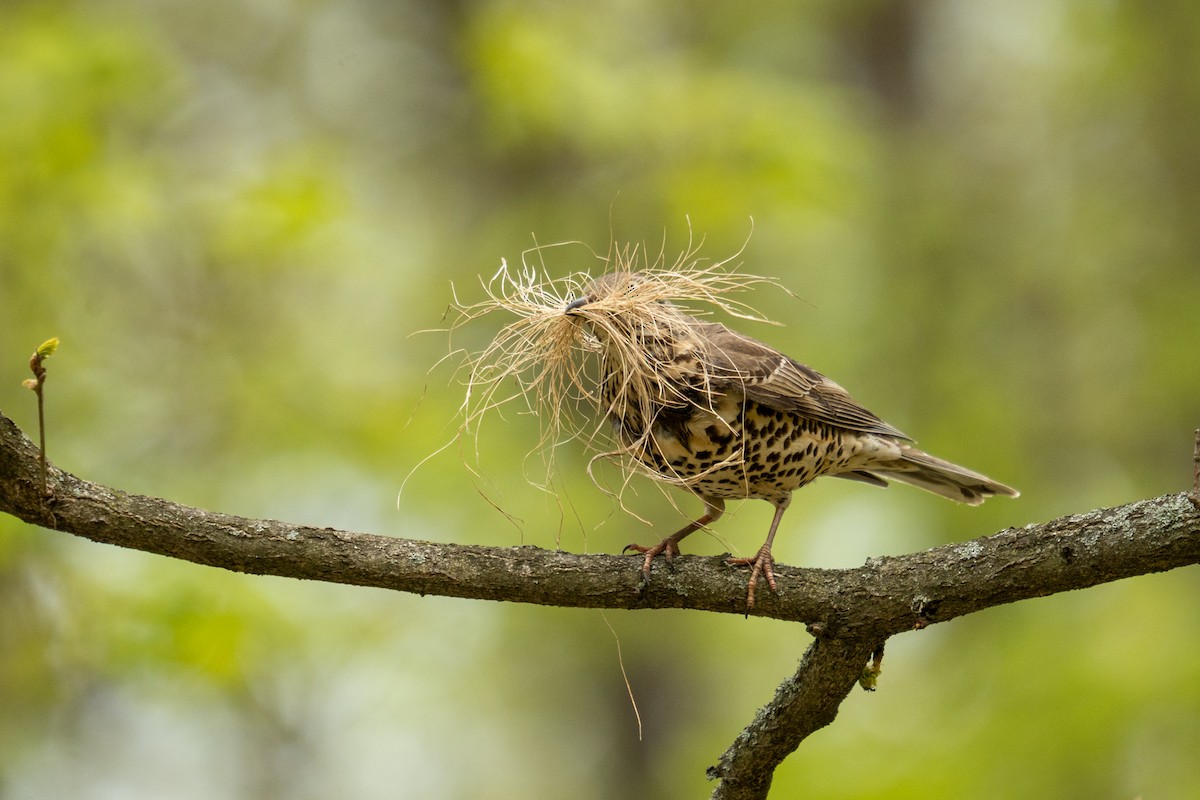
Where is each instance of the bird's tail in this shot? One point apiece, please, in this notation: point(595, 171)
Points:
point(932, 474)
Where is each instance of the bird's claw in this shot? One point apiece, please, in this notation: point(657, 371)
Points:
point(763, 563)
point(668, 548)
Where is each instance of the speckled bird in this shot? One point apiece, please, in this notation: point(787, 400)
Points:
point(728, 417)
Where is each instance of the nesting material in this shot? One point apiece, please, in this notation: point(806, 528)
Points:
point(554, 364)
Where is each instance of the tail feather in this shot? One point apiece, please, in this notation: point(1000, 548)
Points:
point(918, 468)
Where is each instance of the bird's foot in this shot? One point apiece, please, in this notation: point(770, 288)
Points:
point(668, 548)
point(763, 563)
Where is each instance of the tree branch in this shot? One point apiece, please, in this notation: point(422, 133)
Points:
point(851, 611)
point(804, 703)
point(883, 597)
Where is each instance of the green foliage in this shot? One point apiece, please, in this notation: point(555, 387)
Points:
point(240, 218)
point(47, 348)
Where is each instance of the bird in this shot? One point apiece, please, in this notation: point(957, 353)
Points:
point(725, 416)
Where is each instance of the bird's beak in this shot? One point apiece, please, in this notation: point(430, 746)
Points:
point(574, 304)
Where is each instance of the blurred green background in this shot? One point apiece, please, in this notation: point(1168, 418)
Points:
point(236, 215)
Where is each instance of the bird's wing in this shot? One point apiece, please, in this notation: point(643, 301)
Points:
point(765, 375)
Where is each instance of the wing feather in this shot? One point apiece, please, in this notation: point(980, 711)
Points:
point(736, 361)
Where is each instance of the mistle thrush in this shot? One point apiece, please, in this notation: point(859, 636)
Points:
point(727, 416)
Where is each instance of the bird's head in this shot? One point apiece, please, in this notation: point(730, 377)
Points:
point(614, 288)
point(640, 332)
point(630, 304)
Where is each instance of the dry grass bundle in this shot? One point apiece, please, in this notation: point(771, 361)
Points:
point(555, 364)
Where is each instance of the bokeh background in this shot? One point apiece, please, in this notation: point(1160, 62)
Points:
point(239, 215)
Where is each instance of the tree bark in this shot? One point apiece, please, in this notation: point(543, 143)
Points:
point(850, 611)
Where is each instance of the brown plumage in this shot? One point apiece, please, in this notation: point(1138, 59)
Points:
point(726, 416)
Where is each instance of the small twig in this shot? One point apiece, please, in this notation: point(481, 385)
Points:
point(36, 364)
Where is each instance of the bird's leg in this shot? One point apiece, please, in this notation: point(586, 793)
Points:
point(669, 547)
point(763, 562)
